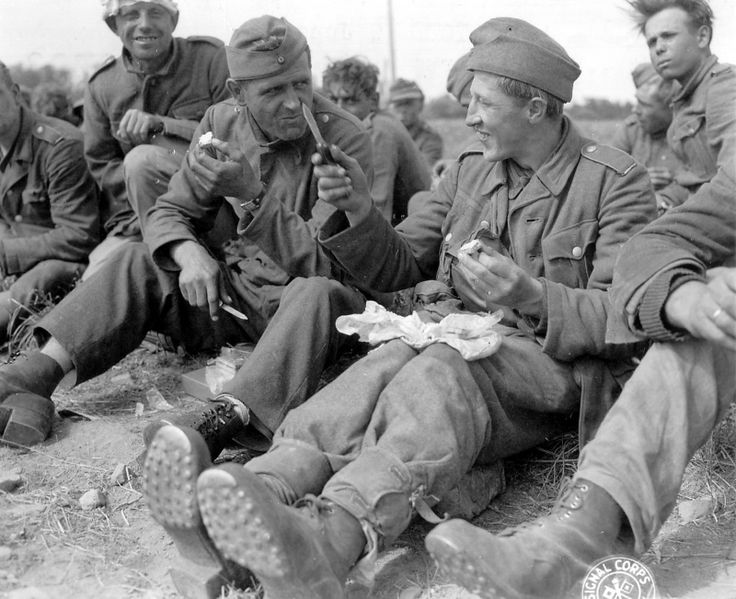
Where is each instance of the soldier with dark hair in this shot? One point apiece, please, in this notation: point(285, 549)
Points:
point(52, 99)
point(400, 170)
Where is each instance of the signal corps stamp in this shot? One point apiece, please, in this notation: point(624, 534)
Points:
point(619, 577)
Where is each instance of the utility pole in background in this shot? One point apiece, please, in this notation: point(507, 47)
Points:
point(391, 49)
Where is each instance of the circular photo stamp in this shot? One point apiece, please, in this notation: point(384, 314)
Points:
point(619, 577)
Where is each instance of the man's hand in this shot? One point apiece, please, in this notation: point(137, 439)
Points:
point(200, 280)
point(137, 126)
point(343, 185)
point(233, 177)
point(497, 279)
point(706, 310)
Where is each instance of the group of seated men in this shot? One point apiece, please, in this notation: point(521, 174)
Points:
point(533, 221)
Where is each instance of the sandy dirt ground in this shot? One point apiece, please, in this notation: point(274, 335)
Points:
point(50, 547)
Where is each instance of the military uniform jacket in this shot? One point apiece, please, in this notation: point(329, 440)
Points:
point(191, 81)
point(280, 238)
point(701, 233)
point(48, 199)
point(703, 129)
point(565, 228)
point(400, 169)
point(428, 141)
point(647, 149)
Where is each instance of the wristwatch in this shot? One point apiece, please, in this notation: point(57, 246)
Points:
point(254, 203)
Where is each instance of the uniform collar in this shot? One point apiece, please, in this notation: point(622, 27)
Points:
point(21, 150)
point(556, 170)
point(696, 79)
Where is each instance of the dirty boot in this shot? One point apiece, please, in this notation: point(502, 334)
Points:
point(175, 459)
point(299, 552)
point(26, 410)
point(540, 560)
point(221, 419)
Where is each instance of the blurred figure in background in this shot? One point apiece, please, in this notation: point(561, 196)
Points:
point(644, 133)
point(400, 169)
point(406, 101)
point(49, 221)
point(52, 99)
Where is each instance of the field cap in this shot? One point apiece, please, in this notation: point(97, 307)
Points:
point(459, 78)
point(112, 8)
point(644, 73)
point(403, 89)
point(516, 49)
point(263, 47)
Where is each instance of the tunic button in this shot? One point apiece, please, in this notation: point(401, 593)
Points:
point(280, 59)
point(484, 224)
point(448, 237)
point(39, 129)
point(18, 218)
point(577, 251)
point(591, 148)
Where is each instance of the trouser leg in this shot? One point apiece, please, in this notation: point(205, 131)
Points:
point(665, 412)
point(147, 170)
point(296, 345)
point(107, 317)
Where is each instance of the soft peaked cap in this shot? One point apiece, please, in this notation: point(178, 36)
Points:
point(516, 49)
point(263, 47)
point(403, 89)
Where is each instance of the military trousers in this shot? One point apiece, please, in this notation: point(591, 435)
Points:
point(401, 424)
point(666, 411)
point(107, 317)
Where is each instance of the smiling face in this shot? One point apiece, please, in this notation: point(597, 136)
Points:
point(500, 121)
point(677, 48)
point(146, 30)
point(275, 102)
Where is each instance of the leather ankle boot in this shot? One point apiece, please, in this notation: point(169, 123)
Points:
point(542, 559)
point(176, 457)
point(218, 421)
point(26, 410)
point(297, 552)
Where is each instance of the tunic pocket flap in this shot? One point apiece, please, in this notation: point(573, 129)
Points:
point(572, 242)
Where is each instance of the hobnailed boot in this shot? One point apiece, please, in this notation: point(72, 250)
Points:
point(175, 459)
point(542, 559)
point(26, 410)
point(299, 552)
point(218, 422)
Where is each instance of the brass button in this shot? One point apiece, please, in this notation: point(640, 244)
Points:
point(18, 218)
point(577, 251)
point(448, 237)
point(484, 224)
point(591, 148)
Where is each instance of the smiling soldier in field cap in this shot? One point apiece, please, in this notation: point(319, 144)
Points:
point(141, 110)
point(546, 210)
point(257, 170)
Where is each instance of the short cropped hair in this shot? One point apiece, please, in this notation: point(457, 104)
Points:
point(699, 11)
point(362, 74)
point(523, 91)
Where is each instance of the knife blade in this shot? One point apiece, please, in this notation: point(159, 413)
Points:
point(233, 311)
point(322, 146)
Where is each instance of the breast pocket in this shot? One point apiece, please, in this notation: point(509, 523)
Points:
point(690, 138)
point(568, 254)
point(191, 110)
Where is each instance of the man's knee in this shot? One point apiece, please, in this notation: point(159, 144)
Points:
point(141, 161)
point(315, 291)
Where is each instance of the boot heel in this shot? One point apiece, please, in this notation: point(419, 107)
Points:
point(27, 417)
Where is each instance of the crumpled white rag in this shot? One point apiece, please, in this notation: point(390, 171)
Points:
point(473, 335)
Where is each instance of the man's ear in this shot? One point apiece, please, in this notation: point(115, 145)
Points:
point(705, 34)
point(237, 90)
point(536, 109)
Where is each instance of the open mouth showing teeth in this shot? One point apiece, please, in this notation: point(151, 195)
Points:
point(146, 39)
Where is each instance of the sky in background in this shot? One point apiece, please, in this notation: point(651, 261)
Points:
point(429, 34)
